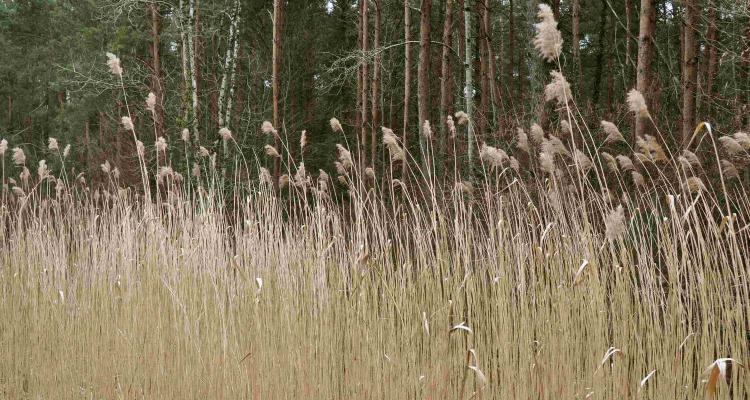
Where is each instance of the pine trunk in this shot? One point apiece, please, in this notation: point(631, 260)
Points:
point(423, 73)
point(645, 57)
point(364, 132)
point(407, 79)
point(689, 67)
point(278, 20)
point(446, 80)
point(156, 75)
point(376, 84)
point(469, 82)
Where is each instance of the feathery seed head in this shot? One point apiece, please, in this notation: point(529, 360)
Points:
point(151, 102)
point(127, 123)
point(558, 89)
point(114, 64)
point(336, 125)
point(52, 144)
point(613, 134)
point(637, 103)
point(548, 40)
point(19, 157)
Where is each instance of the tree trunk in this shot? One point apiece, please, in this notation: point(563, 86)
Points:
point(710, 56)
point(446, 80)
point(233, 64)
point(599, 57)
point(576, 45)
point(628, 40)
point(746, 62)
point(494, 87)
point(690, 70)
point(156, 75)
point(227, 67)
point(376, 84)
point(484, 81)
point(407, 79)
point(365, 82)
point(278, 20)
point(511, 53)
point(469, 83)
point(644, 72)
point(423, 73)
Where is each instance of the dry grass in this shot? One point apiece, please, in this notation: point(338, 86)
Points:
point(374, 297)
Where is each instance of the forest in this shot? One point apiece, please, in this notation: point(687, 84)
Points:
point(227, 64)
point(457, 199)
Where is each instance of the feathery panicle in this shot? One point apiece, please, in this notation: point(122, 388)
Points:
point(265, 176)
point(283, 181)
point(582, 161)
point(427, 130)
point(547, 163)
point(522, 140)
point(626, 164)
point(267, 128)
point(731, 146)
point(19, 157)
point(127, 123)
point(3, 147)
point(461, 117)
point(25, 175)
point(729, 170)
point(691, 158)
point(66, 151)
point(42, 170)
point(196, 171)
point(336, 125)
point(345, 157)
point(558, 89)
point(637, 104)
point(323, 180)
point(565, 128)
point(649, 146)
point(151, 102)
point(370, 173)
point(610, 161)
point(743, 139)
point(303, 140)
point(301, 178)
point(548, 40)
point(451, 126)
point(339, 168)
point(492, 156)
point(537, 133)
point(554, 146)
point(106, 167)
point(615, 224)
point(271, 151)
point(185, 135)
point(164, 173)
point(161, 144)
point(637, 179)
point(203, 152)
point(18, 191)
point(613, 134)
point(464, 187)
point(116, 173)
point(225, 133)
point(694, 185)
point(642, 158)
point(114, 64)
point(52, 144)
point(140, 148)
point(514, 165)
